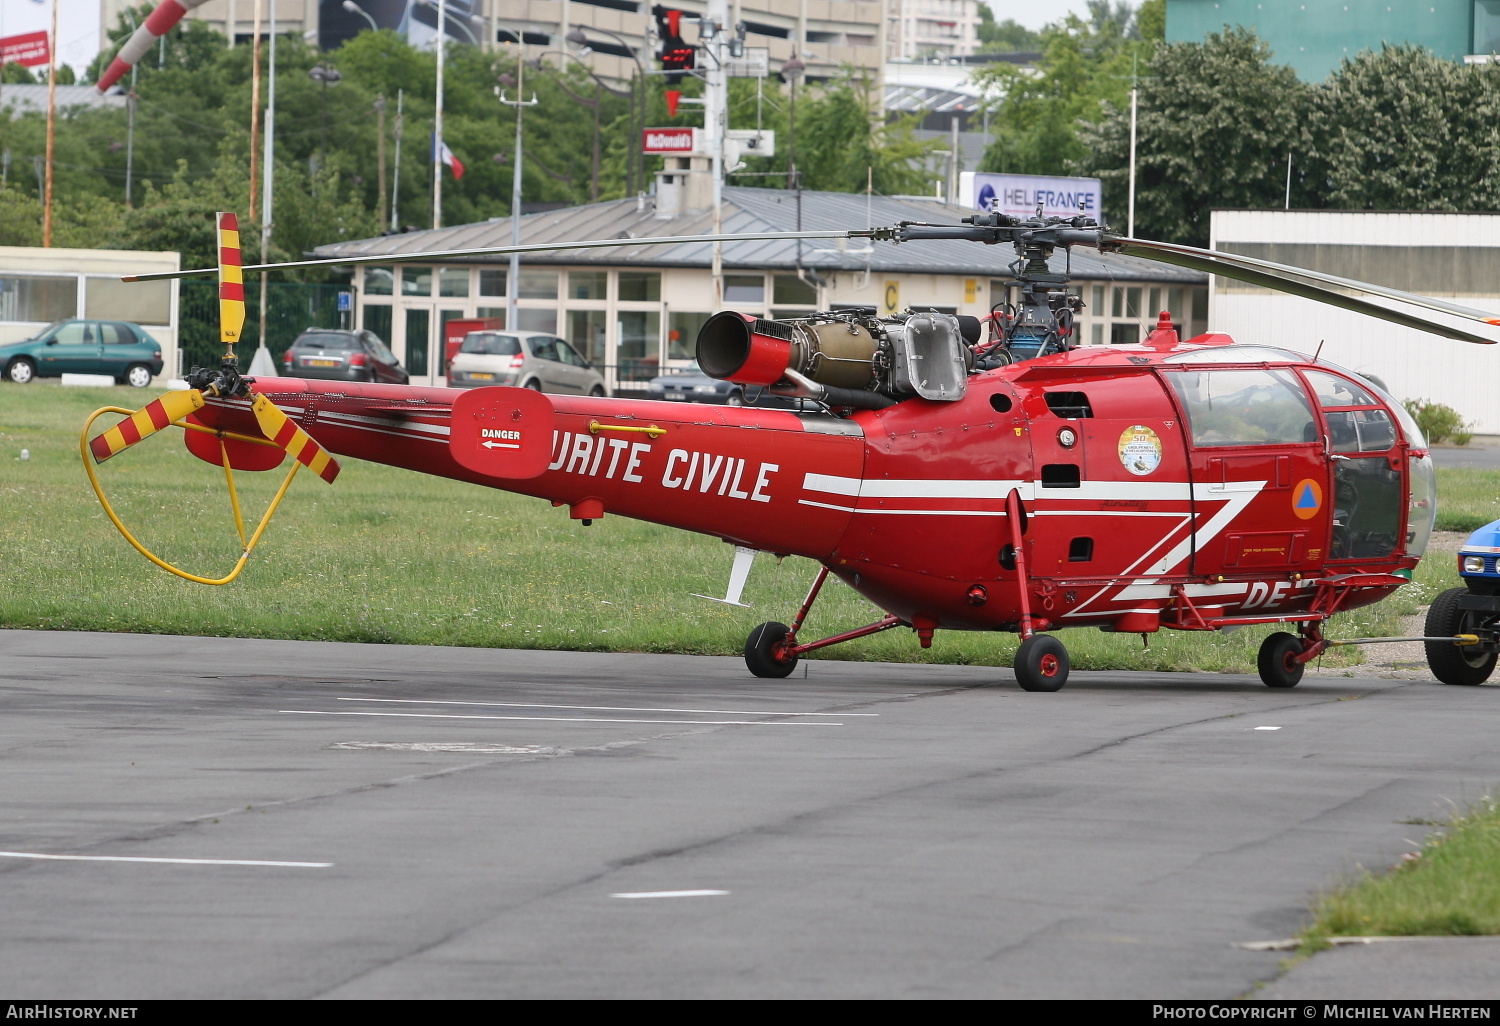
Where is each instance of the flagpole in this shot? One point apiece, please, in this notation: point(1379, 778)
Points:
point(51, 116)
point(254, 108)
point(437, 121)
point(261, 362)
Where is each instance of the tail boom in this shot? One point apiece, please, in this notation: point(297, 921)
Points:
point(737, 474)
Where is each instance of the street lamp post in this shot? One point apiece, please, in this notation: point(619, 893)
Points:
point(594, 104)
point(451, 19)
point(513, 284)
point(354, 8)
point(261, 363)
point(130, 117)
point(634, 168)
point(327, 75)
point(792, 70)
point(380, 158)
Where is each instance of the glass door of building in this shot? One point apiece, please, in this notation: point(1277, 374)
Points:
point(416, 351)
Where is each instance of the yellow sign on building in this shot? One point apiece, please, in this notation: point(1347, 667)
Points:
point(892, 300)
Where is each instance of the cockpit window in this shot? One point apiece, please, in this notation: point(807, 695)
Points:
point(1334, 392)
point(1356, 420)
point(1409, 428)
point(1244, 407)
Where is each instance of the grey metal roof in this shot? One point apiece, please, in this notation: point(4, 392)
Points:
point(755, 210)
point(24, 98)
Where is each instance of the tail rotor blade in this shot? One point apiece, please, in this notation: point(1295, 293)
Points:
point(280, 428)
point(231, 280)
point(148, 420)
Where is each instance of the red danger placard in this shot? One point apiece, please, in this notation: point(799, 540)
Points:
point(502, 432)
point(29, 48)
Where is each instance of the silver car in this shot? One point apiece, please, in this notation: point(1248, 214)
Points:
point(530, 359)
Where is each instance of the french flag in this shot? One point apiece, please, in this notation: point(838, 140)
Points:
point(440, 151)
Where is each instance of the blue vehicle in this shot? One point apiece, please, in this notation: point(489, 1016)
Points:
point(1471, 610)
point(117, 348)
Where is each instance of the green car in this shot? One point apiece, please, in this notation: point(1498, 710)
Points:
point(117, 348)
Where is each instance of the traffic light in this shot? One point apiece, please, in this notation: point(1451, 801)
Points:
point(676, 56)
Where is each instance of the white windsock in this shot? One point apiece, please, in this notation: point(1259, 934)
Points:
point(158, 24)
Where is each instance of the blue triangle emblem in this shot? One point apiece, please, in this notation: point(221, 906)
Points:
point(1307, 499)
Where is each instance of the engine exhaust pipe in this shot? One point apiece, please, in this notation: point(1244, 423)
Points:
point(755, 351)
point(745, 350)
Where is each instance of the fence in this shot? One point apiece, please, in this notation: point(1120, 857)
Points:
point(290, 308)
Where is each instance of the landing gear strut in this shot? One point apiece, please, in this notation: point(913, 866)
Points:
point(772, 650)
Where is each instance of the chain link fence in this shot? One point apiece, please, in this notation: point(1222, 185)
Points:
point(291, 307)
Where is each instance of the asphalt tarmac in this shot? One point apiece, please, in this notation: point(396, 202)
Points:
point(221, 818)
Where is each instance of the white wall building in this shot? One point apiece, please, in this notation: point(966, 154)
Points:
point(1446, 256)
point(932, 28)
point(39, 286)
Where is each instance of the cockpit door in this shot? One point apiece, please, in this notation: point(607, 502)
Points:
point(1260, 479)
point(1367, 492)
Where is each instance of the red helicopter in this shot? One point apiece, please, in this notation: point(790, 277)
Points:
point(958, 475)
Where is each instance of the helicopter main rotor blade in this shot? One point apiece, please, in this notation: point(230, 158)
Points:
point(1314, 285)
point(540, 247)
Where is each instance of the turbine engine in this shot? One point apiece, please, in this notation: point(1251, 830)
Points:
point(844, 357)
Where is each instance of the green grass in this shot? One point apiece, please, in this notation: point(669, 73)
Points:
point(1451, 887)
point(1467, 499)
point(389, 556)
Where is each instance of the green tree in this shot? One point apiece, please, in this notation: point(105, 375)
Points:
point(1215, 123)
point(1084, 71)
point(1403, 130)
point(1008, 36)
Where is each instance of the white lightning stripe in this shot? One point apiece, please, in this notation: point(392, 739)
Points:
point(1135, 592)
point(832, 485)
point(911, 512)
point(1103, 513)
point(1089, 491)
point(1180, 516)
point(1234, 502)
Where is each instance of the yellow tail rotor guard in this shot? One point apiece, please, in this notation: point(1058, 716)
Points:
point(248, 545)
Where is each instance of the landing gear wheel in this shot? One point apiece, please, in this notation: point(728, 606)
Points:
point(1450, 663)
point(1041, 664)
point(21, 371)
point(764, 653)
point(138, 376)
point(1276, 663)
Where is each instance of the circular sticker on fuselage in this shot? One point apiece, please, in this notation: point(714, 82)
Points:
point(1140, 450)
point(1307, 498)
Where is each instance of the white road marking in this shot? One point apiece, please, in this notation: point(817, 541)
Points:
point(467, 747)
point(175, 862)
point(603, 708)
point(1267, 728)
point(668, 894)
point(568, 719)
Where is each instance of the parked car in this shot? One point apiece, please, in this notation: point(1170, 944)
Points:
point(531, 359)
point(691, 385)
point(117, 348)
point(339, 355)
